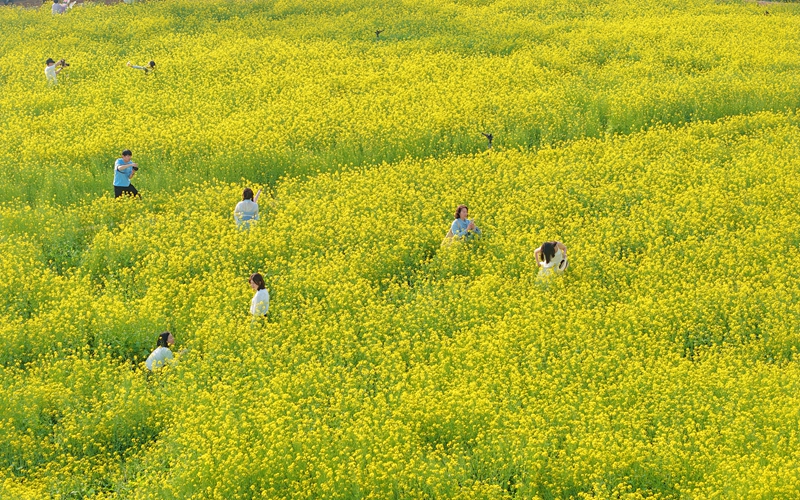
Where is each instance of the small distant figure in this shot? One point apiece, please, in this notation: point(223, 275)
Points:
point(378, 34)
point(124, 170)
point(462, 226)
point(161, 355)
point(489, 137)
point(247, 209)
point(150, 68)
point(259, 305)
point(551, 257)
point(60, 8)
point(52, 69)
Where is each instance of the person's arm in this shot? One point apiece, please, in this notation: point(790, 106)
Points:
point(122, 166)
point(537, 255)
point(255, 200)
point(563, 248)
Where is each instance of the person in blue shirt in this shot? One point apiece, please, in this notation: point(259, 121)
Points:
point(124, 170)
point(462, 226)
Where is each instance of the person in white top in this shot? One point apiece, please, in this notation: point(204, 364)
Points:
point(52, 69)
point(259, 306)
point(161, 355)
point(551, 257)
point(150, 68)
point(247, 209)
point(60, 8)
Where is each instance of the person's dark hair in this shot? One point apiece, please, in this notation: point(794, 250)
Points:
point(55, 1)
point(247, 194)
point(50, 61)
point(152, 64)
point(549, 250)
point(127, 152)
point(162, 339)
point(258, 280)
point(458, 210)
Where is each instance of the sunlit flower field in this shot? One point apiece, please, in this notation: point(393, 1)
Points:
point(658, 140)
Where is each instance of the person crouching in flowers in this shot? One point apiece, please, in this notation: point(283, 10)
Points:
point(462, 226)
point(150, 68)
point(247, 209)
point(551, 257)
point(161, 355)
point(259, 306)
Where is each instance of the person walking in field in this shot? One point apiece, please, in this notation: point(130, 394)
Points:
point(161, 355)
point(551, 257)
point(247, 209)
point(462, 226)
point(259, 305)
point(124, 170)
point(150, 68)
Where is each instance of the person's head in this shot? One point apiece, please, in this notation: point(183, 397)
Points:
point(257, 282)
point(56, 1)
point(165, 339)
point(247, 194)
point(127, 154)
point(153, 64)
point(548, 250)
point(50, 62)
point(462, 212)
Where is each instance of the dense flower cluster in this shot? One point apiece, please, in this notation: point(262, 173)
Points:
point(663, 364)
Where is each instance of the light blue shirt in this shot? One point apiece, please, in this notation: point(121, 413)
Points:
point(122, 177)
point(245, 211)
point(459, 228)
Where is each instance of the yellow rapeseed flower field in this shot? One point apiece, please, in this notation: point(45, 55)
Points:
point(659, 141)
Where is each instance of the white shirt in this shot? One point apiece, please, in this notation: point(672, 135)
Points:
point(50, 71)
point(259, 306)
point(245, 210)
point(556, 260)
point(158, 358)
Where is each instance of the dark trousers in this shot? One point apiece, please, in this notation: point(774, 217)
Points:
point(129, 190)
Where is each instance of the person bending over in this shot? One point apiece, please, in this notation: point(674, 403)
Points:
point(551, 257)
point(161, 355)
point(150, 68)
point(259, 306)
point(247, 209)
point(462, 226)
point(124, 170)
